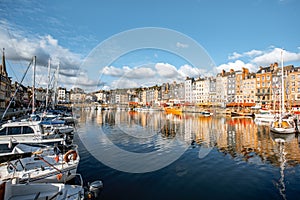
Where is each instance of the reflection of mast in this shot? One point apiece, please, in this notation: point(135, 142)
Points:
point(282, 160)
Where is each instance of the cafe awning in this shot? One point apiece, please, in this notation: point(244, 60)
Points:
point(234, 104)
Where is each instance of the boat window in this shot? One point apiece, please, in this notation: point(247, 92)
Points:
point(27, 130)
point(3, 131)
point(14, 131)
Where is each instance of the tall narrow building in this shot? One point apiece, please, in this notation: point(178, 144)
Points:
point(5, 84)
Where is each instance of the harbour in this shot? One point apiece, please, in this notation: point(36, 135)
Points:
point(223, 157)
point(149, 100)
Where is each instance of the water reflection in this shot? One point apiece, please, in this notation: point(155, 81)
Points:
point(240, 138)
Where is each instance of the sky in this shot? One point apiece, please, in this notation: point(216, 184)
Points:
point(109, 44)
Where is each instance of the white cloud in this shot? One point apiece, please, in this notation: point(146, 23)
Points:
point(274, 55)
point(181, 45)
point(237, 65)
point(234, 56)
point(140, 73)
point(255, 58)
point(189, 71)
point(250, 54)
point(21, 48)
point(114, 71)
point(166, 70)
point(127, 72)
point(253, 52)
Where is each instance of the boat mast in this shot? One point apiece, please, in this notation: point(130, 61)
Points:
point(282, 85)
point(33, 85)
point(47, 92)
point(55, 87)
point(17, 89)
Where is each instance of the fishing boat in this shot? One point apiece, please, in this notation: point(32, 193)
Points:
point(242, 113)
point(176, 110)
point(48, 164)
point(282, 124)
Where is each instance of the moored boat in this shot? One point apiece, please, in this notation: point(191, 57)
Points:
point(26, 132)
point(264, 116)
point(173, 110)
point(47, 164)
point(9, 190)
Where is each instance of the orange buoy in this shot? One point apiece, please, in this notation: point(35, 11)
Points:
point(71, 154)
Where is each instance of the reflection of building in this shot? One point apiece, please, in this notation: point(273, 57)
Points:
point(5, 84)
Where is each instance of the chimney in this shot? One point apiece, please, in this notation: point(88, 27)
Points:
point(223, 72)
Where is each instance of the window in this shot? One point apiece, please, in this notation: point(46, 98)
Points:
point(14, 131)
point(3, 131)
point(268, 77)
point(293, 77)
point(27, 130)
point(263, 78)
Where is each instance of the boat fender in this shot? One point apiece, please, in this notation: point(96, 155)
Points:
point(71, 154)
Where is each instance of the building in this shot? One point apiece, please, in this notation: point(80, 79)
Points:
point(294, 87)
point(233, 84)
point(222, 88)
point(5, 85)
point(212, 90)
point(188, 90)
point(264, 88)
point(62, 95)
point(249, 88)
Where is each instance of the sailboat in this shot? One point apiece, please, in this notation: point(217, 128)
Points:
point(281, 124)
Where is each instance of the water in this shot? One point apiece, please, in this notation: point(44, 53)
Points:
point(151, 155)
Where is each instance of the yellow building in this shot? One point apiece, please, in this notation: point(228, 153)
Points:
point(263, 84)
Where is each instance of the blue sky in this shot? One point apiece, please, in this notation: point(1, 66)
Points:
point(233, 34)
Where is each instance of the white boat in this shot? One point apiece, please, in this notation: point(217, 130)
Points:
point(262, 116)
point(284, 126)
point(39, 191)
point(280, 124)
point(55, 191)
point(26, 132)
point(52, 123)
point(48, 164)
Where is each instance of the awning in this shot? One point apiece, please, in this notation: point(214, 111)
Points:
point(234, 104)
